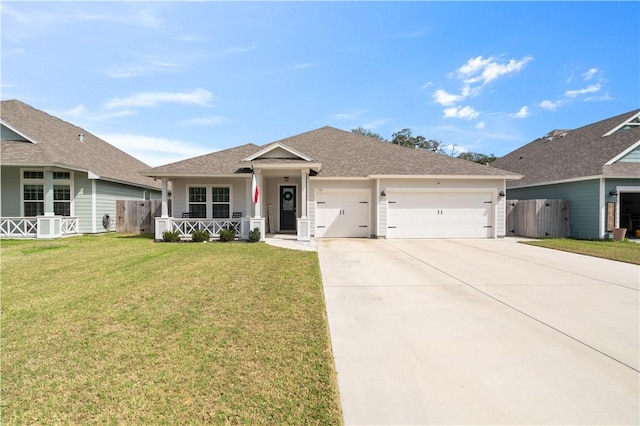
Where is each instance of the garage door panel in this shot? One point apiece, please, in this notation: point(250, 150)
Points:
point(439, 215)
point(341, 214)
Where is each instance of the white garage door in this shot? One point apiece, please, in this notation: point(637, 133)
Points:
point(439, 214)
point(342, 213)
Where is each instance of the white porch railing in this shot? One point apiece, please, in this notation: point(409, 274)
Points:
point(27, 227)
point(19, 227)
point(70, 225)
point(185, 227)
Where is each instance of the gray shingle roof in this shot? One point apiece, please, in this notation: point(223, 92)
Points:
point(55, 143)
point(342, 154)
point(579, 153)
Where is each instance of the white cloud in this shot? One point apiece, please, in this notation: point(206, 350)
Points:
point(444, 98)
point(473, 66)
point(481, 70)
point(550, 105)
point(480, 125)
point(205, 121)
point(198, 96)
point(376, 123)
point(522, 113)
point(80, 113)
point(152, 150)
point(305, 65)
point(590, 89)
point(464, 112)
point(238, 49)
point(348, 115)
point(590, 74)
point(150, 66)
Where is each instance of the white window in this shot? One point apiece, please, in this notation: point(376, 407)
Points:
point(221, 202)
point(198, 201)
point(212, 201)
point(62, 193)
point(33, 193)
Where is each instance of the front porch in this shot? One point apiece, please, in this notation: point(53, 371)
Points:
point(43, 227)
point(215, 203)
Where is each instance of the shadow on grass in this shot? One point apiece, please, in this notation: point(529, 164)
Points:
point(143, 236)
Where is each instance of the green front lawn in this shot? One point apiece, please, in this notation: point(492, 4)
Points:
point(122, 330)
point(623, 251)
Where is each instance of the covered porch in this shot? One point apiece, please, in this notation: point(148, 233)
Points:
point(273, 199)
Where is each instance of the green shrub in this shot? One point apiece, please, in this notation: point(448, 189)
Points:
point(227, 235)
point(198, 236)
point(254, 236)
point(170, 237)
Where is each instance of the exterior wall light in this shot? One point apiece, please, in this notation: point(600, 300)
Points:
point(383, 194)
point(613, 192)
point(501, 194)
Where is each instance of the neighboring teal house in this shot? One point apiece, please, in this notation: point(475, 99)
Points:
point(595, 167)
point(58, 179)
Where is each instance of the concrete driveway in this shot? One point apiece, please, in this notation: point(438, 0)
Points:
point(481, 332)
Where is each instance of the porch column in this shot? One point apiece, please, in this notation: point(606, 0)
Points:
point(305, 201)
point(48, 192)
point(248, 200)
point(165, 197)
point(303, 232)
point(258, 209)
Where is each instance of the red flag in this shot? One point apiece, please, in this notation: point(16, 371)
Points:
point(254, 190)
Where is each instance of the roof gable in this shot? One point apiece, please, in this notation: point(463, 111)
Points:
point(278, 151)
point(58, 143)
point(583, 152)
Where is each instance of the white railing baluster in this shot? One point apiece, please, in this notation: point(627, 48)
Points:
point(186, 226)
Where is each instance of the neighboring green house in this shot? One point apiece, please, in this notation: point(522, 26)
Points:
point(595, 167)
point(58, 179)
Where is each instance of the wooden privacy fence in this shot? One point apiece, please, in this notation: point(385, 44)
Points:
point(538, 218)
point(133, 217)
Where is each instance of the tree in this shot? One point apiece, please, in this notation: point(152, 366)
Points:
point(366, 132)
point(478, 157)
point(405, 138)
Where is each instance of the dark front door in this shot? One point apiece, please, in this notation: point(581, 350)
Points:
point(287, 208)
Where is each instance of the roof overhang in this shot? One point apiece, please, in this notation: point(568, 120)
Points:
point(287, 166)
point(478, 177)
point(90, 175)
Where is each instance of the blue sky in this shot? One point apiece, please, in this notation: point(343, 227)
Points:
point(170, 80)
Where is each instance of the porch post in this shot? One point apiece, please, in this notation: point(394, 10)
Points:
point(304, 223)
point(48, 192)
point(258, 210)
point(304, 200)
point(248, 200)
point(165, 197)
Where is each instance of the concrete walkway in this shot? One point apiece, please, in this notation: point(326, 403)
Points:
point(481, 332)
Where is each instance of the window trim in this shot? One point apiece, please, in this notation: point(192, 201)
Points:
point(60, 182)
point(209, 198)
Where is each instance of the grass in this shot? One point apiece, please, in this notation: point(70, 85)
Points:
point(122, 330)
point(622, 251)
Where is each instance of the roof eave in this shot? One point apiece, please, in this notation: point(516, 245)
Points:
point(486, 177)
point(305, 165)
point(173, 175)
